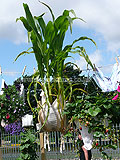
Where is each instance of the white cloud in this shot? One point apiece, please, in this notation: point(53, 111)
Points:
point(9, 12)
point(101, 16)
point(95, 58)
point(12, 31)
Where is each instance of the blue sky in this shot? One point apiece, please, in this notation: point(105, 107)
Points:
point(102, 25)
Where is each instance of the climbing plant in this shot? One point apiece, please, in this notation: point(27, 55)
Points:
point(98, 112)
point(12, 106)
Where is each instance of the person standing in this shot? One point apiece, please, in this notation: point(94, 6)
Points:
point(84, 153)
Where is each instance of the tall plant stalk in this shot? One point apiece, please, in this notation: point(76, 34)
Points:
point(47, 45)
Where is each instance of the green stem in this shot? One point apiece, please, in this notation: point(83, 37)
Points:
point(49, 87)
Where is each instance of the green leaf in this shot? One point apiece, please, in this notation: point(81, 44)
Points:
point(25, 23)
point(68, 135)
point(84, 38)
point(29, 17)
point(99, 134)
point(49, 32)
point(70, 23)
point(107, 106)
point(22, 53)
point(25, 140)
point(28, 96)
point(19, 159)
point(105, 155)
point(38, 54)
point(73, 12)
point(94, 112)
point(24, 146)
point(26, 156)
point(113, 146)
point(41, 23)
point(66, 13)
point(49, 10)
point(78, 19)
point(59, 22)
point(31, 22)
point(79, 89)
point(65, 113)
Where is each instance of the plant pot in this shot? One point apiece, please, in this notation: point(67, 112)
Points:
point(55, 120)
point(27, 120)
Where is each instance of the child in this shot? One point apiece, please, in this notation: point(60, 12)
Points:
point(84, 153)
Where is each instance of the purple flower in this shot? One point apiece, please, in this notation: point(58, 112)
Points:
point(14, 128)
point(18, 87)
point(7, 96)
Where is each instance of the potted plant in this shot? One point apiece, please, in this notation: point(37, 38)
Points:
point(50, 53)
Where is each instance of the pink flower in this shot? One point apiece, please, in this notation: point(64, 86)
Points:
point(7, 116)
point(115, 98)
point(118, 89)
point(2, 105)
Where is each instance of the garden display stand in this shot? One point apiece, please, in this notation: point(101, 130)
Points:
point(42, 149)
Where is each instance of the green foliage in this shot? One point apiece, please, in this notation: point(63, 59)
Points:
point(88, 107)
point(12, 106)
point(97, 112)
point(28, 146)
point(26, 80)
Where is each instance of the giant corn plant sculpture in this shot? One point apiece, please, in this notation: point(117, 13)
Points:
point(47, 46)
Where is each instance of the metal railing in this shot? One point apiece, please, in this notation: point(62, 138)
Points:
point(55, 149)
